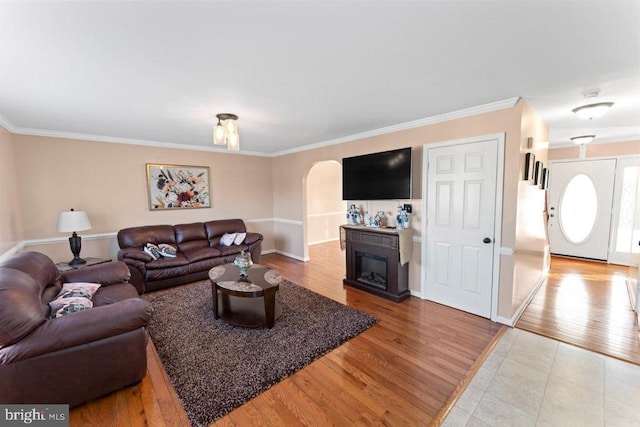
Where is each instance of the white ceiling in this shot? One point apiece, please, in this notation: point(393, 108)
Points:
point(307, 72)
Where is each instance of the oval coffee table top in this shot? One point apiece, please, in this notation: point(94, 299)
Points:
point(258, 278)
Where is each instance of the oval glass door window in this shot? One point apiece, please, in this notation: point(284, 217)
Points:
point(578, 209)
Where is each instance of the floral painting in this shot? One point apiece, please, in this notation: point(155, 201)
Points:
point(178, 187)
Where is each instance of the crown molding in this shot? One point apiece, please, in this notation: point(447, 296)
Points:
point(5, 123)
point(116, 140)
point(564, 144)
point(472, 111)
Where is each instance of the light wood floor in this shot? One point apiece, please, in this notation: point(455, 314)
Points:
point(586, 304)
point(402, 371)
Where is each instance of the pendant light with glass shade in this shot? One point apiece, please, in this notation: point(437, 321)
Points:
point(226, 131)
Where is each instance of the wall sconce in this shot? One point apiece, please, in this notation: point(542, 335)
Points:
point(74, 221)
point(226, 131)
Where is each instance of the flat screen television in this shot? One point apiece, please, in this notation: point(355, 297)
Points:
point(377, 176)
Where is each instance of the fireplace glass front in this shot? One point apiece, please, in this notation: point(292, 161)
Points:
point(371, 269)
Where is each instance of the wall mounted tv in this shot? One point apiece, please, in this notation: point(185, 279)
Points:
point(377, 176)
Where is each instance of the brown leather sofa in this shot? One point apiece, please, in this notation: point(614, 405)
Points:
point(198, 250)
point(77, 357)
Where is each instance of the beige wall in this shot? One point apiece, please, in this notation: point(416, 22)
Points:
point(597, 150)
point(289, 172)
point(108, 181)
point(10, 219)
point(325, 209)
point(531, 255)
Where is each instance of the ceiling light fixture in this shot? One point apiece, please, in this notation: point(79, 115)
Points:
point(226, 131)
point(592, 111)
point(582, 139)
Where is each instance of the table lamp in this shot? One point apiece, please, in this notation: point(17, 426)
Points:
point(74, 221)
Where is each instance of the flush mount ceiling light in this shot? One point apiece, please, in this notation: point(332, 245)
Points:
point(583, 139)
point(226, 131)
point(591, 111)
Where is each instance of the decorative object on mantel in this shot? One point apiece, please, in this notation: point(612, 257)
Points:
point(177, 187)
point(226, 131)
point(402, 219)
point(353, 215)
point(74, 221)
point(376, 220)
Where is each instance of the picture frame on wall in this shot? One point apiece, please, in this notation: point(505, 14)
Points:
point(529, 163)
point(545, 178)
point(177, 187)
point(537, 175)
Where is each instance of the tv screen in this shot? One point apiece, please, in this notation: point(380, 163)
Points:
point(377, 176)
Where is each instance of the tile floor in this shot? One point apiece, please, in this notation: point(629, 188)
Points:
point(530, 380)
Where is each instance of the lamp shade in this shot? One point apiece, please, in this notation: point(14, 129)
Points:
point(73, 221)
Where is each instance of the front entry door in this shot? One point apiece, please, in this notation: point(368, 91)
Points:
point(580, 203)
point(461, 187)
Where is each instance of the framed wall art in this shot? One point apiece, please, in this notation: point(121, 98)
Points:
point(529, 162)
point(178, 187)
point(537, 174)
point(545, 178)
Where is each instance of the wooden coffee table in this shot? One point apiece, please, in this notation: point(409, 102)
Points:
point(245, 301)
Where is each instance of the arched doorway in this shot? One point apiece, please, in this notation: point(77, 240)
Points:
point(324, 209)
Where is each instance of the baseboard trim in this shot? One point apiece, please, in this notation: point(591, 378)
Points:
point(287, 254)
point(514, 319)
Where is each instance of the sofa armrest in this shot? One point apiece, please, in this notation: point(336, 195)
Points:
point(108, 273)
point(134, 253)
point(80, 328)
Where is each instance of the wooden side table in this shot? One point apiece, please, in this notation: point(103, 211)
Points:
point(64, 266)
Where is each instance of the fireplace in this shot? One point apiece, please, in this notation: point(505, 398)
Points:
point(371, 269)
point(373, 262)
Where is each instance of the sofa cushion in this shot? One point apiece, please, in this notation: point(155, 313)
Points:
point(178, 261)
point(199, 254)
point(140, 236)
point(189, 232)
point(67, 305)
point(233, 249)
point(218, 227)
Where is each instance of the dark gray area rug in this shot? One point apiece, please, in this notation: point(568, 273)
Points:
point(216, 367)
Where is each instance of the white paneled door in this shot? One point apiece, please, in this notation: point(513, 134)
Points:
point(461, 191)
point(580, 203)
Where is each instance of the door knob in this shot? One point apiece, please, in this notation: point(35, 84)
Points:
point(486, 240)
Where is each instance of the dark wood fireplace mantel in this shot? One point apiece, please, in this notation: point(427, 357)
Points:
point(373, 262)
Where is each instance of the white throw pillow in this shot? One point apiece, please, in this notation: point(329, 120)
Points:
point(227, 239)
point(239, 238)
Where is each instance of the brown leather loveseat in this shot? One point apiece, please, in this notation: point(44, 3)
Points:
point(76, 357)
point(198, 250)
